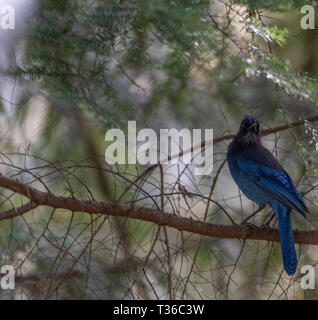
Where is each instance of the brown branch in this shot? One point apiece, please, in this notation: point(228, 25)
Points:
point(269, 131)
point(158, 217)
point(288, 126)
point(231, 136)
point(9, 214)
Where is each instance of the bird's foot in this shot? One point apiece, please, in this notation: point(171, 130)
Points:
point(248, 227)
point(266, 226)
point(246, 224)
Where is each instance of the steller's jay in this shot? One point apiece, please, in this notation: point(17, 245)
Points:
point(263, 180)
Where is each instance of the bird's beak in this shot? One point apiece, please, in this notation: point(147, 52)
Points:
point(254, 127)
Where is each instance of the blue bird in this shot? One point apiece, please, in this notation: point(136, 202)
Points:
point(263, 180)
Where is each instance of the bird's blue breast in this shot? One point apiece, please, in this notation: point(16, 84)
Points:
point(249, 188)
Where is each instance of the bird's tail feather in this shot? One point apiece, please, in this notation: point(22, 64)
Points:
point(287, 239)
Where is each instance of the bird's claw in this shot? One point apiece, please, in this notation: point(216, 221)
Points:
point(266, 226)
point(246, 224)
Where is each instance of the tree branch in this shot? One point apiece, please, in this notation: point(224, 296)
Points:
point(231, 136)
point(39, 198)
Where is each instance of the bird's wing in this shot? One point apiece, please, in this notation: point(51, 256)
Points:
point(275, 182)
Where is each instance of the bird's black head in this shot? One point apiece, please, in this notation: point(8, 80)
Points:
point(248, 133)
point(248, 124)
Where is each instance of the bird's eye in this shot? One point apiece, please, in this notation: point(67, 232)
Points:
point(247, 124)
